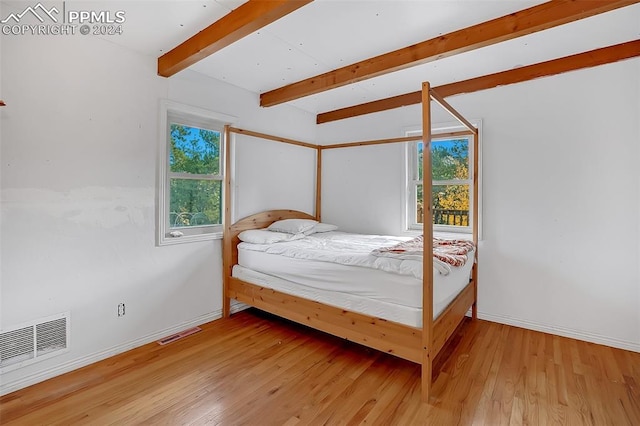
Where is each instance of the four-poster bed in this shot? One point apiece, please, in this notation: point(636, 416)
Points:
point(417, 344)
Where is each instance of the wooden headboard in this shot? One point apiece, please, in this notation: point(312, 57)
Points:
point(255, 221)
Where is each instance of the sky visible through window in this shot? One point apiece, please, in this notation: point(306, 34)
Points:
point(194, 143)
point(446, 144)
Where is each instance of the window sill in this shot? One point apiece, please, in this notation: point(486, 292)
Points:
point(452, 234)
point(169, 241)
point(441, 234)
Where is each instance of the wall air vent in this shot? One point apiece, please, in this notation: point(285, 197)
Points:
point(34, 341)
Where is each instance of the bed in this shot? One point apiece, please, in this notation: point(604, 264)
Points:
point(391, 335)
point(416, 333)
point(342, 270)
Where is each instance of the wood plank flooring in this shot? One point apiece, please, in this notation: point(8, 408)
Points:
point(254, 369)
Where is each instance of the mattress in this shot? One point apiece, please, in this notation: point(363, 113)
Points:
point(372, 307)
point(369, 291)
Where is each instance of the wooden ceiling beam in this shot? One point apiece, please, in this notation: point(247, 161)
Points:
point(246, 19)
point(537, 18)
point(588, 59)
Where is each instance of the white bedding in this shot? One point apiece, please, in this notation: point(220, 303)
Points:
point(369, 290)
point(348, 249)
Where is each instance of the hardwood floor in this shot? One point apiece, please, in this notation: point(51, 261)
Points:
point(254, 369)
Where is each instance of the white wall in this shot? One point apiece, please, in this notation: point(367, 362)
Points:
point(1, 14)
point(561, 198)
point(268, 175)
point(638, 179)
point(78, 174)
point(376, 171)
point(362, 190)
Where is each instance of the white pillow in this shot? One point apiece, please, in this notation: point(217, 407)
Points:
point(322, 227)
point(263, 236)
point(293, 226)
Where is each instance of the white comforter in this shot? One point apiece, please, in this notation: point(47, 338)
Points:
point(348, 249)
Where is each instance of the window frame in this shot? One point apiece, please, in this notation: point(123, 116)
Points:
point(172, 112)
point(412, 178)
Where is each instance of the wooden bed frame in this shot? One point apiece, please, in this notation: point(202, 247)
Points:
point(420, 345)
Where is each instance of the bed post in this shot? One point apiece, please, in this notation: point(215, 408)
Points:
point(318, 183)
point(427, 261)
point(226, 238)
point(476, 216)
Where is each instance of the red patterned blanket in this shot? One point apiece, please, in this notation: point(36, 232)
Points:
point(452, 252)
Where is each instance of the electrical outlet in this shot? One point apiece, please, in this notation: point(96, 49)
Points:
point(121, 310)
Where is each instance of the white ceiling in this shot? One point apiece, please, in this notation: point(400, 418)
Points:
point(328, 34)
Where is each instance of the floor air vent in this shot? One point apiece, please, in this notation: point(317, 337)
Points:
point(178, 336)
point(34, 341)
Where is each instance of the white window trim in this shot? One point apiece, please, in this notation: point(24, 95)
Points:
point(409, 195)
point(193, 115)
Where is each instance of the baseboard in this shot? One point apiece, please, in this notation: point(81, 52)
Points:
point(238, 306)
point(41, 376)
point(562, 331)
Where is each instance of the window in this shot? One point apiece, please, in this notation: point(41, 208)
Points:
point(190, 206)
point(451, 194)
